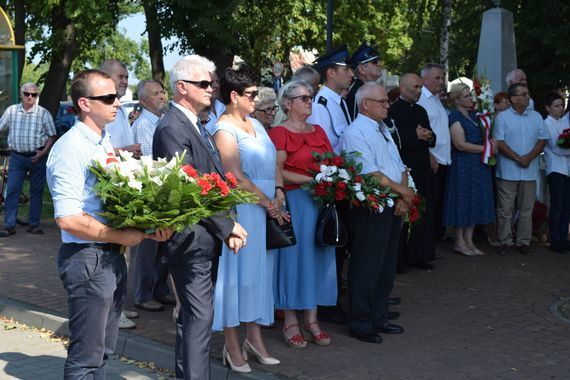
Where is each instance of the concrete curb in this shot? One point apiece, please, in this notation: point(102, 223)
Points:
point(130, 345)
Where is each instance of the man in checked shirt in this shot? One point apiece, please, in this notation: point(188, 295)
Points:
point(30, 137)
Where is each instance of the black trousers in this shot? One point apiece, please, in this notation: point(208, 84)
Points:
point(373, 256)
point(559, 214)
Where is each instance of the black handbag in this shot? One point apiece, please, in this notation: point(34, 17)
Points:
point(280, 235)
point(330, 229)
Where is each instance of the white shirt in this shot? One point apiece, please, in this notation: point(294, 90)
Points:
point(439, 123)
point(144, 127)
point(330, 118)
point(120, 130)
point(189, 114)
point(557, 159)
point(378, 150)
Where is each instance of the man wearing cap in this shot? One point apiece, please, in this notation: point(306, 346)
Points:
point(330, 110)
point(367, 69)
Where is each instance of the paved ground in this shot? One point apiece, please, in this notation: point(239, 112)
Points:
point(472, 318)
point(30, 354)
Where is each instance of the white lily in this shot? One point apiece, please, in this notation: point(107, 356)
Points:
point(360, 196)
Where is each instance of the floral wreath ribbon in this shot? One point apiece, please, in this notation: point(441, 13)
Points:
point(487, 156)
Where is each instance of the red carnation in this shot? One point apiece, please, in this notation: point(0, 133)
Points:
point(339, 195)
point(416, 200)
point(328, 184)
point(341, 186)
point(356, 203)
point(320, 190)
point(190, 171)
point(351, 169)
point(372, 198)
point(337, 161)
point(414, 215)
point(231, 179)
point(110, 160)
point(357, 178)
point(224, 188)
point(205, 185)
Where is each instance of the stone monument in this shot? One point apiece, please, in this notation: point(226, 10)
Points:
point(497, 50)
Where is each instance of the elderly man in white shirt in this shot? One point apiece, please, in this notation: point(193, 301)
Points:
point(374, 236)
point(432, 76)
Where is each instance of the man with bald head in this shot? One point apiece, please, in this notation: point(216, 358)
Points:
point(374, 236)
point(415, 138)
point(30, 138)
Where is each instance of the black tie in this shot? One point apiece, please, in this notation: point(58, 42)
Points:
point(345, 110)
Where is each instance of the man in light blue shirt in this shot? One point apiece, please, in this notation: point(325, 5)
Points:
point(90, 263)
point(374, 236)
point(521, 137)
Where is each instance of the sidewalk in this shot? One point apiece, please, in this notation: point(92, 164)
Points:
point(28, 354)
point(471, 318)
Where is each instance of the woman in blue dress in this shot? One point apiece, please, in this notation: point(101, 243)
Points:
point(243, 291)
point(469, 184)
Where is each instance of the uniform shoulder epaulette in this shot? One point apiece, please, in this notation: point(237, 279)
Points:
point(322, 100)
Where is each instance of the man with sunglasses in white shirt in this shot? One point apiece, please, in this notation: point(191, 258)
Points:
point(30, 137)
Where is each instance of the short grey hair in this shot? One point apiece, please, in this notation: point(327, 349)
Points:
point(428, 67)
point(365, 91)
point(184, 68)
point(108, 65)
point(265, 95)
point(141, 90)
point(28, 84)
point(511, 76)
point(307, 74)
point(287, 92)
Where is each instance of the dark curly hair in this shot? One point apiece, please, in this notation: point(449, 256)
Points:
point(237, 80)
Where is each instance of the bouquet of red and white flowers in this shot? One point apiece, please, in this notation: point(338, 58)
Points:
point(339, 178)
point(484, 107)
point(564, 139)
point(148, 195)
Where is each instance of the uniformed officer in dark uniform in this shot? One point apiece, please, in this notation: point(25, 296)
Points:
point(366, 66)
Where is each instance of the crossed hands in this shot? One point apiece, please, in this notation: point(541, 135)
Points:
point(424, 134)
point(275, 211)
point(237, 238)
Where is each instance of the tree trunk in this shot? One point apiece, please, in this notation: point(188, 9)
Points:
point(154, 42)
point(20, 34)
point(444, 40)
point(61, 58)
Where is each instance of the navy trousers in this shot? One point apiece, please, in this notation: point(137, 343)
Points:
point(95, 280)
point(19, 166)
point(151, 272)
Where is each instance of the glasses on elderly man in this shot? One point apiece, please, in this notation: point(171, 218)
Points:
point(203, 84)
point(268, 110)
point(304, 98)
point(32, 94)
point(379, 101)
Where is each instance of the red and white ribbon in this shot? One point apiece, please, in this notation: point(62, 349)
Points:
point(487, 154)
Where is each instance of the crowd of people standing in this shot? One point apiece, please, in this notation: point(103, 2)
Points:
point(221, 271)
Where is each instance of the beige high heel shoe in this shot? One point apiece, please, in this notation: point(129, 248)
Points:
point(267, 360)
point(226, 359)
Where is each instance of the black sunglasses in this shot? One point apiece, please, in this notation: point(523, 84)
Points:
point(268, 110)
point(107, 99)
point(304, 98)
point(32, 94)
point(250, 94)
point(203, 84)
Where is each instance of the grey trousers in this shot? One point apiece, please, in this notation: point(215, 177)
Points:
point(194, 287)
point(524, 194)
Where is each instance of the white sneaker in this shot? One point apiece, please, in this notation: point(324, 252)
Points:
point(126, 323)
point(130, 314)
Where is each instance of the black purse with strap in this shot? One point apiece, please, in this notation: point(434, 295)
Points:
point(280, 235)
point(330, 230)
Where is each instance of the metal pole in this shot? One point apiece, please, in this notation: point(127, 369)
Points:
point(329, 24)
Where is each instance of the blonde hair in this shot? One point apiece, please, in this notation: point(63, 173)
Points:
point(455, 91)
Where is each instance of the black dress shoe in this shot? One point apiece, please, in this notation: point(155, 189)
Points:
point(389, 328)
point(150, 305)
point(369, 336)
point(35, 230)
point(393, 315)
point(401, 269)
point(558, 248)
point(8, 231)
point(425, 266)
point(394, 301)
point(167, 299)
